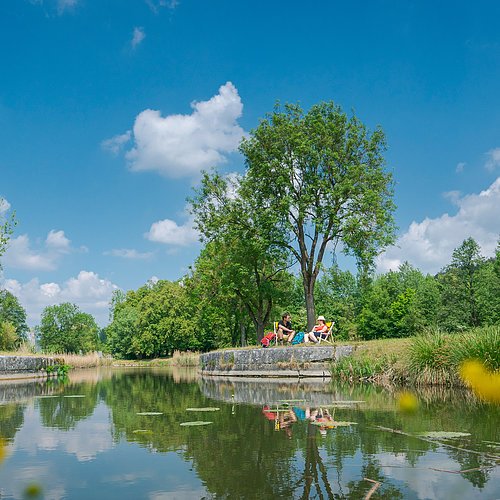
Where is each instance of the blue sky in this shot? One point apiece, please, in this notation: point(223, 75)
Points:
point(109, 110)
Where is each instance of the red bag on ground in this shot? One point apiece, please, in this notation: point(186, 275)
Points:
point(267, 339)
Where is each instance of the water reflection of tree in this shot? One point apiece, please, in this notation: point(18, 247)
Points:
point(128, 394)
point(11, 420)
point(65, 412)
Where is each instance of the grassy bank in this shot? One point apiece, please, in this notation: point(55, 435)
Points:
point(179, 359)
point(433, 358)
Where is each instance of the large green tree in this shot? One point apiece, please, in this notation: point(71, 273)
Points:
point(64, 328)
point(459, 287)
point(152, 321)
point(318, 178)
point(241, 246)
point(12, 312)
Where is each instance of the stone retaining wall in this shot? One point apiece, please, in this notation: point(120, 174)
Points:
point(310, 391)
point(311, 361)
point(11, 366)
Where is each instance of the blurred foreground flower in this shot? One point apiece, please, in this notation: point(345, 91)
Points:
point(484, 384)
point(407, 402)
point(3, 449)
point(33, 490)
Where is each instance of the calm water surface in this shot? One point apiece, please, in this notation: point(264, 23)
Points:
point(85, 439)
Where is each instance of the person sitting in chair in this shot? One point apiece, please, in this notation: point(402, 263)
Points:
point(285, 328)
point(319, 329)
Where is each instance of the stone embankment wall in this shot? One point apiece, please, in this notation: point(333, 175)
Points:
point(311, 391)
point(311, 361)
point(23, 366)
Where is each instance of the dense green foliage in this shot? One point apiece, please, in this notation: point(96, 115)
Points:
point(12, 313)
point(313, 180)
point(205, 310)
point(64, 329)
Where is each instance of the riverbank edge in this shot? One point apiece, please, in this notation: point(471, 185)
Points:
point(296, 362)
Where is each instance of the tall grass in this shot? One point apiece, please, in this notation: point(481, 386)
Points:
point(188, 358)
point(435, 358)
point(362, 368)
point(89, 360)
point(482, 344)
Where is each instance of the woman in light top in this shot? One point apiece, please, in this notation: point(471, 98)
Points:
point(319, 329)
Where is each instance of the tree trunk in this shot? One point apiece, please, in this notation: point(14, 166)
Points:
point(310, 309)
point(260, 329)
point(243, 336)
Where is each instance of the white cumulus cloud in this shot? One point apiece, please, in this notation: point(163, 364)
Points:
point(429, 244)
point(90, 292)
point(169, 232)
point(129, 253)
point(116, 143)
point(183, 145)
point(138, 36)
point(21, 255)
point(493, 159)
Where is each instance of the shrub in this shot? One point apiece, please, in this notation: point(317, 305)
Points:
point(429, 358)
point(8, 336)
point(482, 344)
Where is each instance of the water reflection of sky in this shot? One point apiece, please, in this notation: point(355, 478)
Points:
point(90, 436)
point(88, 448)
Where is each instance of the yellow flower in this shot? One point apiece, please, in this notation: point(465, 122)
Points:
point(3, 449)
point(484, 384)
point(407, 402)
point(33, 490)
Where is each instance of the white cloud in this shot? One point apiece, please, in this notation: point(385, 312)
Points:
point(460, 167)
point(137, 36)
point(4, 206)
point(20, 255)
point(183, 145)
point(169, 232)
point(429, 244)
point(64, 5)
point(493, 159)
point(116, 143)
point(156, 5)
point(128, 253)
point(90, 292)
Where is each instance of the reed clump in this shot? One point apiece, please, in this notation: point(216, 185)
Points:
point(187, 358)
point(88, 360)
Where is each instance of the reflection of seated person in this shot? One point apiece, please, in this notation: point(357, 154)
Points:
point(319, 329)
point(286, 419)
point(283, 419)
point(285, 328)
point(323, 418)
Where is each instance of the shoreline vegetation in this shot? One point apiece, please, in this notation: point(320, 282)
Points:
point(432, 358)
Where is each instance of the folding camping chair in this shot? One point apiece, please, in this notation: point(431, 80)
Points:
point(327, 337)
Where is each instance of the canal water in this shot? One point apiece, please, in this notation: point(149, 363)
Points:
point(118, 433)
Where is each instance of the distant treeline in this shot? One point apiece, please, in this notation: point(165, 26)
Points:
point(197, 314)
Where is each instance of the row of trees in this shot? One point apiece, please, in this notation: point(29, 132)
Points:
point(200, 312)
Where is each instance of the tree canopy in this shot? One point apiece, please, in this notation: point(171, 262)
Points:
point(64, 328)
point(316, 179)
